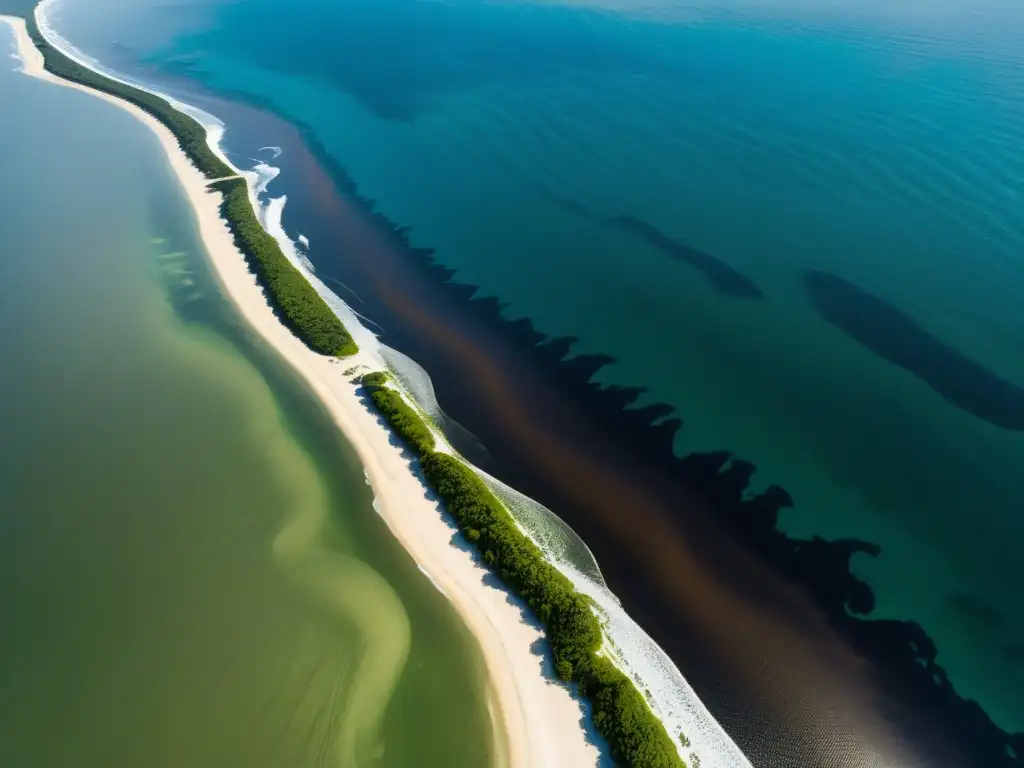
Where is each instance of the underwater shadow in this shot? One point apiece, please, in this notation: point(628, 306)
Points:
point(722, 277)
point(894, 336)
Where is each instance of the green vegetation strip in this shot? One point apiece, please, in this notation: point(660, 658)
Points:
point(189, 133)
point(297, 303)
point(637, 738)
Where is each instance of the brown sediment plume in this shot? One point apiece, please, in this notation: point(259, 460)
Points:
point(763, 634)
point(760, 624)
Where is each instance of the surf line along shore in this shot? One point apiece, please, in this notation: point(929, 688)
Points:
point(539, 724)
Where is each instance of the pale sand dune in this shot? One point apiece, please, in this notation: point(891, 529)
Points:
point(538, 722)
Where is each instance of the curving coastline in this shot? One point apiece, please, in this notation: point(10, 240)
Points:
point(541, 724)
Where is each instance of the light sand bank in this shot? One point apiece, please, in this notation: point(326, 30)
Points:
point(540, 721)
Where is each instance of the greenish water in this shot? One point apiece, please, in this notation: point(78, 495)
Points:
point(191, 570)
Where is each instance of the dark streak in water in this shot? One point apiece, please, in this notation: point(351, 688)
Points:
point(894, 336)
point(975, 611)
point(723, 277)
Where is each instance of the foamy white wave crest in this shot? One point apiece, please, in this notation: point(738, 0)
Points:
point(416, 382)
point(270, 216)
point(264, 174)
point(556, 538)
point(258, 179)
point(276, 150)
point(304, 241)
point(671, 697)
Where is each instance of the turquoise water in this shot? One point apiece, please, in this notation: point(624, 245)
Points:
point(879, 143)
point(191, 569)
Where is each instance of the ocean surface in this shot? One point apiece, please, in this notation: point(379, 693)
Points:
point(191, 569)
point(797, 225)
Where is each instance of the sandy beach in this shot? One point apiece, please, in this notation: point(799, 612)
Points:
point(538, 722)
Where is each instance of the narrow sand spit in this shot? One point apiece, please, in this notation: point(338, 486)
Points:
point(538, 721)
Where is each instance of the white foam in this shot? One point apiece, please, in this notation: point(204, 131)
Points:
point(414, 380)
point(264, 175)
point(270, 216)
point(276, 150)
point(304, 241)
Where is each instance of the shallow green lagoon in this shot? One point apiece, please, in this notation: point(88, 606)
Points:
point(191, 571)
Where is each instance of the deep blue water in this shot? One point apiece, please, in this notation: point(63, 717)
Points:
point(657, 180)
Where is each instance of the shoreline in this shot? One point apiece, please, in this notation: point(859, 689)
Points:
point(538, 721)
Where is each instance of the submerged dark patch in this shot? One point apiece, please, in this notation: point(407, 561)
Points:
point(896, 337)
point(976, 611)
point(724, 278)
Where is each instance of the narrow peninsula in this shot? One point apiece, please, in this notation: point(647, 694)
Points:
point(545, 724)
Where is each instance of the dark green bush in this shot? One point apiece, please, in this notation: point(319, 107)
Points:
point(374, 380)
point(404, 420)
point(296, 301)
